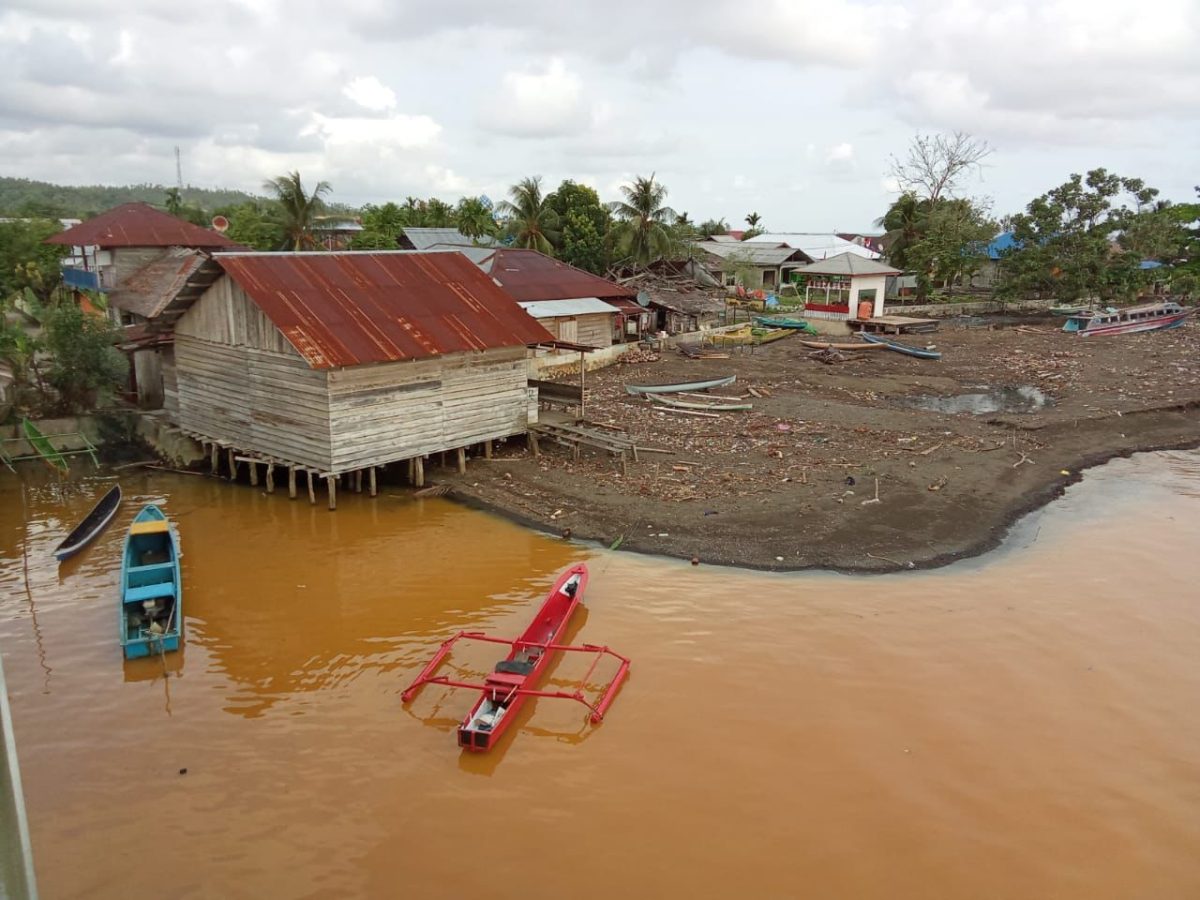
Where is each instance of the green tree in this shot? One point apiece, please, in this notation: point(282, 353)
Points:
point(298, 209)
point(1065, 239)
point(709, 227)
point(474, 218)
point(952, 245)
point(528, 219)
point(251, 224)
point(26, 261)
point(174, 201)
point(85, 365)
point(642, 233)
point(382, 226)
point(904, 223)
point(584, 223)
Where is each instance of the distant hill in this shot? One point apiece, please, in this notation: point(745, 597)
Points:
point(23, 197)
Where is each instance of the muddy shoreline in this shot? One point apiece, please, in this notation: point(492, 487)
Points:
point(790, 486)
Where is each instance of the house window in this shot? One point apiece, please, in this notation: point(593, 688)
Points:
point(730, 280)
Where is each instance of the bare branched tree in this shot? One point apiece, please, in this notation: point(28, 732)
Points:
point(936, 162)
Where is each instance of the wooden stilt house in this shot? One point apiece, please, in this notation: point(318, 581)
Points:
point(339, 362)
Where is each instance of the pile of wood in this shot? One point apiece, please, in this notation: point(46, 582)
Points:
point(638, 356)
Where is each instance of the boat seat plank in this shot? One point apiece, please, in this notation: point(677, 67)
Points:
point(152, 527)
point(150, 592)
point(162, 566)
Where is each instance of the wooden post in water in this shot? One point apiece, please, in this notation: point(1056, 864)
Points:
point(270, 478)
point(371, 478)
point(419, 472)
point(253, 472)
point(331, 482)
point(215, 458)
point(358, 481)
point(462, 460)
point(411, 472)
point(292, 482)
point(232, 465)
point(312, 492)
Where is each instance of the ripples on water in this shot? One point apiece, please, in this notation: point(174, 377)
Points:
point(1021, 725)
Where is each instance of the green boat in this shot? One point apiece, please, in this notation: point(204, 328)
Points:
point(784, 322)
point(42, 446)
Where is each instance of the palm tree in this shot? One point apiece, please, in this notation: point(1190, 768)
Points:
point(753, 219)
point(905, 223)
point(529, 219)
point(298, 210)
point(174, 201)
point(474, 218)
point(643, 233)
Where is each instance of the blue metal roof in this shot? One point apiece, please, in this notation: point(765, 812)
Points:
point(1000, 244)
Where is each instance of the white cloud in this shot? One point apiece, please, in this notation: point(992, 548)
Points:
point(544, 102)
point(842, 152)
point(124, 54)
point(370, 93)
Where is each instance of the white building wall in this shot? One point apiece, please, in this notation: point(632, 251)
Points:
point(860, 283)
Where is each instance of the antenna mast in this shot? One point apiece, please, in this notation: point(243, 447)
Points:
point(178, 170)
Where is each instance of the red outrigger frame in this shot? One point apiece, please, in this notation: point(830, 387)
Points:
point(504, 691)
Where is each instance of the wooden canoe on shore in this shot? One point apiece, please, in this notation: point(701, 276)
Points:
point(94, 523)
point(906, 349)
point(680, 388)
point(827, 345)
point(714, 407)
point(42, 446)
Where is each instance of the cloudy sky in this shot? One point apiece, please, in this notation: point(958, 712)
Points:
point(787, 107)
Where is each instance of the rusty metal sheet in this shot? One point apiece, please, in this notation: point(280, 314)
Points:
point(346, 309)
point(528, 275)
point(140, 225)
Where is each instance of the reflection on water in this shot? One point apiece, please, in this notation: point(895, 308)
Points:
point(1021, 725)
point(986, 400)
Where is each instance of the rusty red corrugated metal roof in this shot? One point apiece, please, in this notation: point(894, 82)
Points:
point(140, 225)
point(148, 290)
point(530, 276)
point(345, 309)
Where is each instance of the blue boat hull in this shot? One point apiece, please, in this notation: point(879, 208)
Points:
point(918, 352)
point(151, 605)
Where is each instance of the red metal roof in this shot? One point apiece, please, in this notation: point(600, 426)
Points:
point(530, 276)
point(140, 225)
point(345, 309)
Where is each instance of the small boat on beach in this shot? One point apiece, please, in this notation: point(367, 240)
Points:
point(1148, 317)
point(151, 592)
point(94, 523)
point(784, 322)
point(680, 388)
point(907, 349)
point(715, 407)
point(1067, 310)
point(827, 345)
point(514, 680)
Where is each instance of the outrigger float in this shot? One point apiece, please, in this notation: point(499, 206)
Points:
point(505, 690)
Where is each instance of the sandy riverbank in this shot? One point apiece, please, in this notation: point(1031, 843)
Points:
point(787, 484)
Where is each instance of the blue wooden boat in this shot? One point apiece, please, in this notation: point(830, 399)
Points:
point(919, 352)
point(151, 592)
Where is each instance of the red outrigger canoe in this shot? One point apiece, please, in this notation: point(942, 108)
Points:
point(515, 678)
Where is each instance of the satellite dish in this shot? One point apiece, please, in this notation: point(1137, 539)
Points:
point(220, 224)
point(643, 298)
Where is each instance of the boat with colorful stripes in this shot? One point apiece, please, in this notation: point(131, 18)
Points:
point(1147, 317)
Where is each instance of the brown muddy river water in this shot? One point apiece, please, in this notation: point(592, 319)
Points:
point(1022, 725)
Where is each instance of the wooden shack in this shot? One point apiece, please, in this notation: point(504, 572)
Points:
point(331, 363)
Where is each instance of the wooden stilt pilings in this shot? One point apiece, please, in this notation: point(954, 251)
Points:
point(372, 480)
point(419, 472)
point(312, 492)
point(462, 460)
point(215, 458)
point(331, 483)
point(291, 482)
